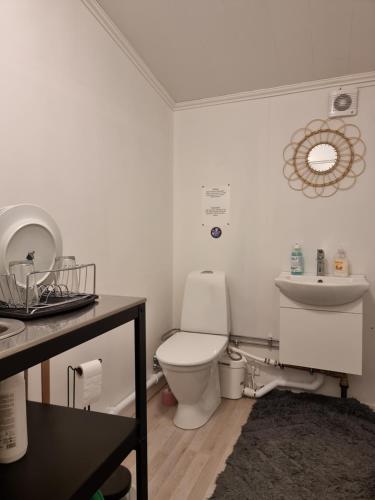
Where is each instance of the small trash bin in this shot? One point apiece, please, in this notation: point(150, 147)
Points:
point(232, 377)
point(117, 485)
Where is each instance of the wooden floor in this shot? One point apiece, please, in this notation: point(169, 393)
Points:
point(183, 465)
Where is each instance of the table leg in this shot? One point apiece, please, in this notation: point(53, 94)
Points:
point(26, 375)
point(46, 378)
point(141, 402)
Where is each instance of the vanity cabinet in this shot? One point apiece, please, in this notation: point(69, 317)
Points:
point(72, 452)
point(321, 337)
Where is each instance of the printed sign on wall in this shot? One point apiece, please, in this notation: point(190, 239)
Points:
point(215, 205)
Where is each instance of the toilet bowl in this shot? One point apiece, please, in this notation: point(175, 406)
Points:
point(190, 364)
point(189, 359)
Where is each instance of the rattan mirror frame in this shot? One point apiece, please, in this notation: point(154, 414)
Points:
point(345, 138)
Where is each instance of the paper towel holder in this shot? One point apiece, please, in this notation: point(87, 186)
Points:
point(73, 370)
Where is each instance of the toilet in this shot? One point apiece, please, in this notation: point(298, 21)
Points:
point(189, 359)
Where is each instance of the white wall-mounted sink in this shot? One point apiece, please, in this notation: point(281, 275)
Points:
point(322, 290)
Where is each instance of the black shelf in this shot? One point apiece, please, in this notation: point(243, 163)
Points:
point(70, 455)
point(44, 338)
point(72, 452)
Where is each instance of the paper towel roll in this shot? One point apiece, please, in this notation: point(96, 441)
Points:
point(89, 382)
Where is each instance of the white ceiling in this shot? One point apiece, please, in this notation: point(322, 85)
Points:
point(207, 48)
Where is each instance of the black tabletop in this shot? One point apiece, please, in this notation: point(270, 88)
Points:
point(44, 338)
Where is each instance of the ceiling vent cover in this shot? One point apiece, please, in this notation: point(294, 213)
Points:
point(343, 102)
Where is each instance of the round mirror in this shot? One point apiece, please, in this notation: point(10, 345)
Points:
point(322, 158)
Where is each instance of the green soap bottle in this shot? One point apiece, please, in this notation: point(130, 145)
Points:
point(296, 260)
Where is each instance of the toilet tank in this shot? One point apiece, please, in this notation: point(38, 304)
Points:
point(205, 307)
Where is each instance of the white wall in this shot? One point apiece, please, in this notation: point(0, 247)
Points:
point(86, 137)
point(241, 144)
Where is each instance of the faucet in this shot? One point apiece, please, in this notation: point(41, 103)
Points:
point(320, 263)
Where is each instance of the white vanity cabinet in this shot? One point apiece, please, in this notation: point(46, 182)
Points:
point(324, 337)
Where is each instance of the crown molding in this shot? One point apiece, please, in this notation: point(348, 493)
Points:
point(359, 79)
point(116, 35)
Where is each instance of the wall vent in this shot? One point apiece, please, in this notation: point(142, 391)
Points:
point(343, 102)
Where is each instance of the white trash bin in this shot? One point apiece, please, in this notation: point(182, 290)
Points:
point(232, 377)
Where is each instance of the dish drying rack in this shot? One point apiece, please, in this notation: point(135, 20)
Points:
point(49, 292)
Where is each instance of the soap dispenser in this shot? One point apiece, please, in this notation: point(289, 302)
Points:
point(296, 260)
point(340, 263)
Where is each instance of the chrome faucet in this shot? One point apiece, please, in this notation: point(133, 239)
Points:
point(320, 262)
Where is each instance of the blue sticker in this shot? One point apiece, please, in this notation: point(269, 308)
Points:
point(216, 232)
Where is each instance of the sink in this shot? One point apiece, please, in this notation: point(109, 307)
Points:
point(9, 327)
point(322, 290)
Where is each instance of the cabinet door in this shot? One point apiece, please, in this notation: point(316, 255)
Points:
point(321, 339)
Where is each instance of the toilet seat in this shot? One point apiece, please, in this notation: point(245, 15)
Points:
point(191, 349)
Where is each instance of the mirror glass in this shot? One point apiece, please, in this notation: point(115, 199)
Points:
point(322, 157)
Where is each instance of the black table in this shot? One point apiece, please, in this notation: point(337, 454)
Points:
point(72, 452)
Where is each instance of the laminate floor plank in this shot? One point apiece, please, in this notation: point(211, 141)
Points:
point(183, 465)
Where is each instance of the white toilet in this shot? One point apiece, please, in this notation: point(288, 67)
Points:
point(189, 358)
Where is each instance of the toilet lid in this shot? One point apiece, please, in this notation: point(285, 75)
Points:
point(189, 349)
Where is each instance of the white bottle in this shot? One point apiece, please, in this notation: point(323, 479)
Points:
point(340, 263)
point(13, 424)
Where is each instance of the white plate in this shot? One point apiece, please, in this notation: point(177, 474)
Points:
point(4, 209)
point(25, 228)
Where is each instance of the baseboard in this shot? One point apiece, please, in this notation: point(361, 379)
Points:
point(151, 392)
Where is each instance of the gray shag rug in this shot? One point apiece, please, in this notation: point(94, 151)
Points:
point(302, 447)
